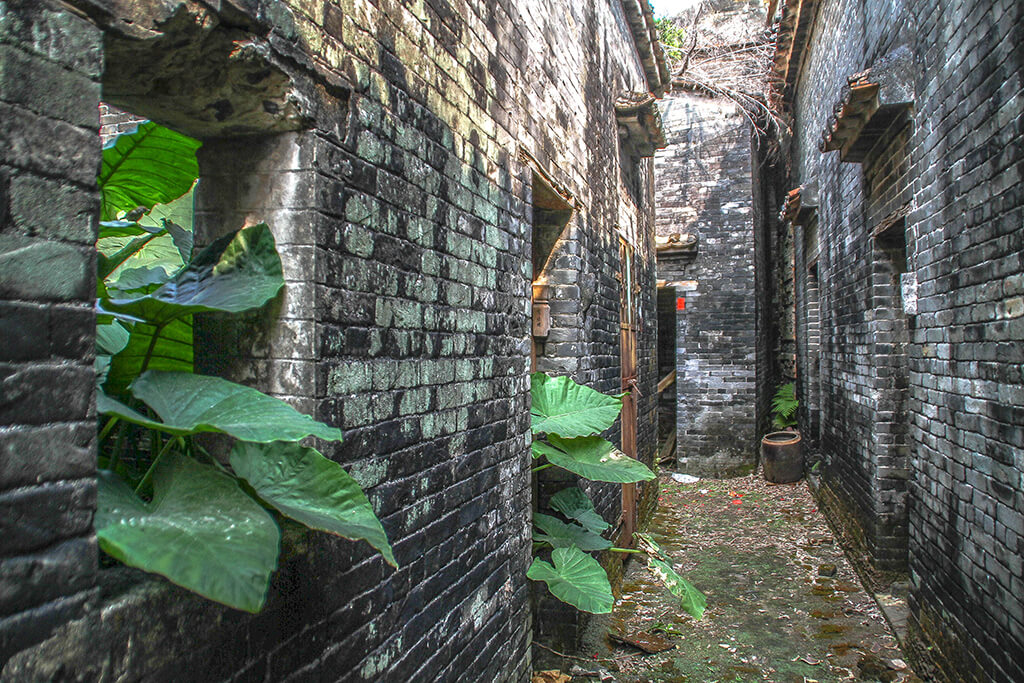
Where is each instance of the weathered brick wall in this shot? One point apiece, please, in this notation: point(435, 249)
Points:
point(50, 63)
point(807, 314)
point(390, 174)
point(958, 521)
point(584, 269)
point(857, 459)
point(704, 185)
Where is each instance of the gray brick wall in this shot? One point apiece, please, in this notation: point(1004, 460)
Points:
point(920, 414)
point(389, 171)
point(50, 64)
point(704, 185)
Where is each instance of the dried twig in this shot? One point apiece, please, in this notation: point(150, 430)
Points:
point(588, 659)
point(735, 67)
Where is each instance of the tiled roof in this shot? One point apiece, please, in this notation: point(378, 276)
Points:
point(640, 119)
point(791, 37)
point(641, 22)
point(868, 104)
point(799, 203)
point(791, 206)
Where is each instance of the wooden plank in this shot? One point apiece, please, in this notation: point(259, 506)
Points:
point(668, 449)
point(667, 381)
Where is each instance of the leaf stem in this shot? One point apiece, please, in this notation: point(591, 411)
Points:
point(541, 467)
point(118, 446)
point(214, 461)
point(626, 550)
point(156, 461)
point(111, 423)
point(152, 346)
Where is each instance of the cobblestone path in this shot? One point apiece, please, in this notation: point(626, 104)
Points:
point(784, 604)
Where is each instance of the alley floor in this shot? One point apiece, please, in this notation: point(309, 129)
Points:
point(784, 604)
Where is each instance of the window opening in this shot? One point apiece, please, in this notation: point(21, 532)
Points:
point(551, 214)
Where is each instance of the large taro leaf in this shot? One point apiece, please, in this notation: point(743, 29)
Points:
point(691, 600)
point(151, 165)
point(171, 352)
point(111, 337)
point(124, 246)
point(574, 504)
point(594, 458)
point(561, 406)
point(558, 534)
point(238, 272)
point(201, 532)
point(106, 405)
point(575, 578)
point(189, 404)
point(178, 218)
point(304, 485)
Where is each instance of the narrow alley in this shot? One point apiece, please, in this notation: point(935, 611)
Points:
point(457, 341)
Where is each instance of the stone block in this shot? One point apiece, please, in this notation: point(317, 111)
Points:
point(36, 517)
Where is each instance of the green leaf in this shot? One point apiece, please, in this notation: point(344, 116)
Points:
point(691, 600)
point(120, 229)
point(304, 485)
point(784, 405)
point(178, 217)
point(107, 405)
point(172, 352)
point(574, 504)
point(594, 458)
point(130, 282)
point(558, 534)
point(151, 165)
point(183, 239)
point(647, 544)
point(561, 406)
point(238, 272)
point(200, 532)
point(575, 578)
point(111, 337)
point(188, 404)
point(152, 250)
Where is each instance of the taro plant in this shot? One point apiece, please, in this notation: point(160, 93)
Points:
point(167, 505)
point(784, 405)
point(567, 419)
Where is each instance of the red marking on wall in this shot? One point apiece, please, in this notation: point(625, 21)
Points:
point(681, 303)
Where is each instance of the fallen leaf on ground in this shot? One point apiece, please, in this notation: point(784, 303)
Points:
point(550, 676)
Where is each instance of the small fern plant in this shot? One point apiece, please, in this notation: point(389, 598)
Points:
point(784, 405)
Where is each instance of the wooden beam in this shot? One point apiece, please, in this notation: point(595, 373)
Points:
point(667, 381)
point(668, 449)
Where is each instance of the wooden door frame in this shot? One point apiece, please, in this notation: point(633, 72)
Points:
point(628, 378)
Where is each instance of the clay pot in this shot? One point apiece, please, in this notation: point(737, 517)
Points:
point(782, 457)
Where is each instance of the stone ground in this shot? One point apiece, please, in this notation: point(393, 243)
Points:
point(784, 604)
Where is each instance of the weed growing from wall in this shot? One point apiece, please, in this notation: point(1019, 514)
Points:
point(567, 419)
